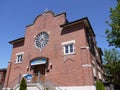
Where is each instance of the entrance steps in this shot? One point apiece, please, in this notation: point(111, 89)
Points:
point(38, 86)
point(31, 86)
point(0, 87)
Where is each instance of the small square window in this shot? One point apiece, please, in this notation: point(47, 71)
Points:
point(69, 49)
point(19, 58)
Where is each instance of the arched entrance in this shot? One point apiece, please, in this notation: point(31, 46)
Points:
point(39, 65)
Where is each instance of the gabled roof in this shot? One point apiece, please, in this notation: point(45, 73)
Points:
point(84, 20)
point(46, 13)
point(16, 40)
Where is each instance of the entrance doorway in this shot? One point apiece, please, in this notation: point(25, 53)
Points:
point(39, 73)
point(39, 66)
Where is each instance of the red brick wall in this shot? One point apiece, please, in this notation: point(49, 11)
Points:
point(2, 76)
point(67, 70)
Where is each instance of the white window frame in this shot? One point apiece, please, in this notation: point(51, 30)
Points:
point(19, 57)
point(68, 43)
point(99, 75)
point(94, 70)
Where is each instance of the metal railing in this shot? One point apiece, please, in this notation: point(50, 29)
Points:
point(37, 79)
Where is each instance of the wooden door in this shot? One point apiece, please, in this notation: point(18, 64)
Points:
point(39, 73)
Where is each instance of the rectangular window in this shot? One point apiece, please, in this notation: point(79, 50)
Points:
point(19, 57)
point(68, 49)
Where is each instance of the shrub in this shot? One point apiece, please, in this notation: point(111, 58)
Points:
point(46, 89)
point(23, 85)
point(99, 86)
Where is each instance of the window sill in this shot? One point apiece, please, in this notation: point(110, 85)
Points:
point(18, 63)
point(69, 53)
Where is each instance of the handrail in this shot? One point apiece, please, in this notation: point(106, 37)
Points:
point(51, 85)
point(45, 83)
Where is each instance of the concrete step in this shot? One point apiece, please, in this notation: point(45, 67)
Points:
point(0, 87)
point(31, 86)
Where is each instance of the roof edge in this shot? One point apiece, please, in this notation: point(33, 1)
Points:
point(69, 23)
point(16, 40)
point(77, 21)
point(2, 69)
point(46, 12)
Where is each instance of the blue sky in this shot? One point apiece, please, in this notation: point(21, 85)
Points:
point(15, 15)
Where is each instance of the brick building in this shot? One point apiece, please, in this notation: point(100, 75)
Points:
point(53, 49)
point(2, 76)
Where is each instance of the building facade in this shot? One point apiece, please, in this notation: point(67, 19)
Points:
point(56, 50)
point(2, 77)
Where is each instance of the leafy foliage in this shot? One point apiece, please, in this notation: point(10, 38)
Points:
point(113, 36)
point(112, 66)
point(46, 89)
point(99, 86)
point(23, 85)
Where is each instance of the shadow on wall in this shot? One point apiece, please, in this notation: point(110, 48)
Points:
point(72, 28)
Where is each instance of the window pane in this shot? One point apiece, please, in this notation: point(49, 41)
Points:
point(71, 48)
point(19, 58)
point(66, 49)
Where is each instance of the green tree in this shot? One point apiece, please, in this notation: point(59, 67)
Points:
point(99, 86)
point(112, 66)
point(113, 35)
point(23, 85)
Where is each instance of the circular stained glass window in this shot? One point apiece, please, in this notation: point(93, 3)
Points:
point(41, 40)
